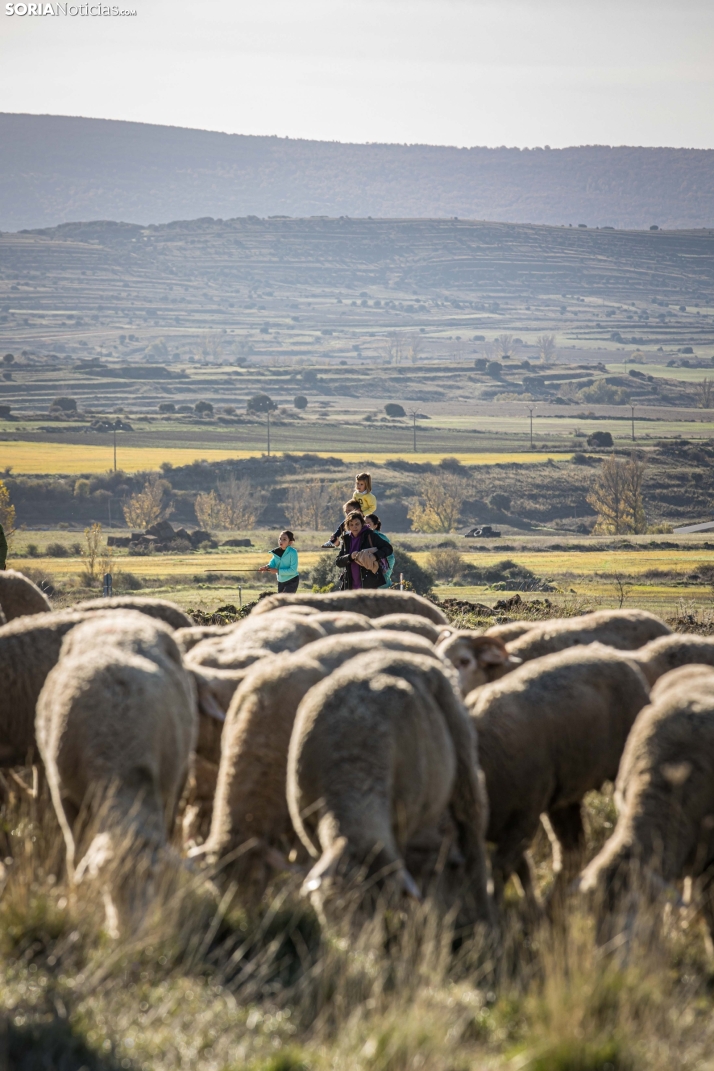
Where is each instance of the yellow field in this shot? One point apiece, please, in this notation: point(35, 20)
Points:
point(544, 564)
point(72, 459)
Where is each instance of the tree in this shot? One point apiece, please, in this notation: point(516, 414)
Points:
point(149, 505)
point(394, 409)
point(300, 401)
point(600, 439)
point(9, 358)
point(546, 346)
point(311, 504)
point(92, 551)
point(494, 369)
point(617, 498)
point(705, 393)
point(167, 407)
point(203, 409)
point(209, 511)
point(239, 503)
point(415, 578)
point(7, 512)
point(500, 501)
point(260, 403)
point(440, 504)
point(504, 345)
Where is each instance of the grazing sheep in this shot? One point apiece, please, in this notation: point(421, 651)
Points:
point(116, 725)
point(511, 630)
point(29, 648)
point(664, 794)
point(548, 733)
point(622, 629)
point(380, 750)
point(162, 609)
point(187, 638)
point(669, 652)
point(370, 603)
point(410, 623)
point(478, 659)
point(255, 639)
point(250, 796)
point(19, 597)
point(340, 622)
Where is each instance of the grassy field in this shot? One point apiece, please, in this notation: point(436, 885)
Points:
point(72, 459)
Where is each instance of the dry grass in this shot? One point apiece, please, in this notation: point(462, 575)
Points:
point(213, 985)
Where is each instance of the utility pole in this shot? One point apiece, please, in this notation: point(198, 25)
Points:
point(115, 445)
point(530, 409)
point(414, 414)
point(268, 433)
point(632, 408)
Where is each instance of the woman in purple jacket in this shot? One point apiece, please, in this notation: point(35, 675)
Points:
point(358, 536)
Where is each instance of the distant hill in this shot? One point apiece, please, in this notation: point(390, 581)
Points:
point(55, 169)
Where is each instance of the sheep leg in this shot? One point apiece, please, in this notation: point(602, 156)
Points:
point(565, 829)
point(509, 858)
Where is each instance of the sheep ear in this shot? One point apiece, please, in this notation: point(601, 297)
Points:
point(492, 654)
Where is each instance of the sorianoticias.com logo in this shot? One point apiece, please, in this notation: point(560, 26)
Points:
point(57, 10)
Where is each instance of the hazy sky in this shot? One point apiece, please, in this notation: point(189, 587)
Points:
point(464, 72)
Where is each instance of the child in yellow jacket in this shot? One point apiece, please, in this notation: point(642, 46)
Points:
point(366, 501)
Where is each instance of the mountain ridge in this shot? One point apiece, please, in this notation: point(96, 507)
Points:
point(57, 169)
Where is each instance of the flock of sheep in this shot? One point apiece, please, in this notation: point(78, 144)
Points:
point(360, 740)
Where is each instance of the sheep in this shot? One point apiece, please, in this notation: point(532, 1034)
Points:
point(29, 648)
point(478, 659)
point(548, 733)
point(410, 623)
point(511, 630)
point(372, 604)
point(250, 796)
point(339, 622)
point(187, 638)
point(162, 609)
point(380, 749)
point(622, 629)
point(669, 652)
point(19, 597)
point(116, 726)
point(664, 795)
point(255, 639)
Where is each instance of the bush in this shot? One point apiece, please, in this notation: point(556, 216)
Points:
point(494, 369)
point(418, 579)
point(167, 407)
point(260, 403)
point(203, 409)
point(445, 563)
point(126, 582)
point(604, 394)
point(300, 401)
point(393, 409)
point(500, 501)
point(325, 574)
point(82, 488)
point(33, 551)
point(57, 550)
point(67, 405)
point(601, 439)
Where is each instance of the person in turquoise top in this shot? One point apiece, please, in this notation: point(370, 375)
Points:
point(284, 563)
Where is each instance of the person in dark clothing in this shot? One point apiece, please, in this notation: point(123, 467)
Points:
point(3, 548)
point(357, 539)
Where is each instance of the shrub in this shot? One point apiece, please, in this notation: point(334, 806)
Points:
point(126, 582)
point(82, 488)
point(325, 574)
point(600, 439)
point(260, 403)
point(604, 394)
point(418, 579)
point(500, 501)
point(167, 407)
point(57, 550)
point(300, 401)
point(494, 369)
point(203, 409)
point(5, 411)
point(445, 563)
point(393, 409)
point(67, 405)
point(33, 551)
